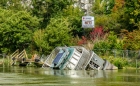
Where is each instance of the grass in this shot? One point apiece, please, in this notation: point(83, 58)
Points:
point(5, 61)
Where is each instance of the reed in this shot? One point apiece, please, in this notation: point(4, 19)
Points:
point(5, 61)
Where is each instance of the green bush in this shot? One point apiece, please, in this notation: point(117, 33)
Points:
point(117, 61)
point(110, 43)
point(120, 62)
point(57, 33)
point(16, 29)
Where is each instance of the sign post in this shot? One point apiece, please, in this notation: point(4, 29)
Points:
point(87, 22)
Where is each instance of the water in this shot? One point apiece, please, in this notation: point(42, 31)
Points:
point(32, 76)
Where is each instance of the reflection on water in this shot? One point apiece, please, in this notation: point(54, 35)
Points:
point(23, 76)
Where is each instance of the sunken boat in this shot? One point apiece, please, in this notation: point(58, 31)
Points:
point(76, 58)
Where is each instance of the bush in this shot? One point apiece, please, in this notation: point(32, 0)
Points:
point(111, 42)
point(57, 33)
point(120, 62)
point(117, 61)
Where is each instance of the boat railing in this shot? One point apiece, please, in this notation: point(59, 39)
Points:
point(84, 56)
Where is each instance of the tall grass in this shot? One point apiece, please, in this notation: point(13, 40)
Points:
point(5, 61)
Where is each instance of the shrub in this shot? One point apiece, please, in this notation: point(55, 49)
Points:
point(120, 62)
point(112, 42)
point(117, 61)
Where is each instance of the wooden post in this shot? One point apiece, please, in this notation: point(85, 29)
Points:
point(136, 63)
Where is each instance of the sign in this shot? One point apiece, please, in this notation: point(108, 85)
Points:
point(87, 22)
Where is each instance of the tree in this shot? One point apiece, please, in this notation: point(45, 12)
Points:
point(109, 19)
point(16, 29)
point(103, 6)
point(39, 40)
point(131, 39)
point(111, 42)
point(15, 5)
point(57, 33)
point(118, 6)
point(74, 16)
point(131, 17)
point(46, 9)
point(3, 3)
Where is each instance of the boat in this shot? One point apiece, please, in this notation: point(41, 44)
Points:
point(60, 58)
point(69, 60)
point(109, 66)
point(64, 63)
point(48, 62)
point(72, 59)
point(95, 62)
point(85, 55)
point(76, 58)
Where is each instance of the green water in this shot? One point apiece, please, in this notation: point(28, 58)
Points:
point(30, 76)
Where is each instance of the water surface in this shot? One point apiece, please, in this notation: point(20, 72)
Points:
point(33, 76)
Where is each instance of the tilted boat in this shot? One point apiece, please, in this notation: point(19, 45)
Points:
point(68, 61)
point(60, 58)
point(51, 57)
point(76, 58)
point(85, 55)
point(72, 57)
point(95, 62)
point(109, 66)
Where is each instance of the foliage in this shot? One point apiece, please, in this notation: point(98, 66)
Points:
point(131, 39)
point(12, 5)
point(119, 62)
point(103, 6)
point(109, 19)
point(134, 63)
point(99, 7)
point(38, 39)
point(113, 42)
point(57, 33)
point(110, 43)
point(3, 3)
point(111, 15)
point(109, 22)
point(109, 6)
point(43, 9)
point(46, 9)
point(16, 29)
point(131, 17)
point(74, 16)
point(97, 33)
point(118, 6)
point(82, 41)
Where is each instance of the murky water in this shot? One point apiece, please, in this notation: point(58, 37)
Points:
point(30, 76)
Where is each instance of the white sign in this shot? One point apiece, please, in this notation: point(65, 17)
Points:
point(87, 22)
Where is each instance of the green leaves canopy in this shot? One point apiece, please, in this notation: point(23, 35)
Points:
point(16, 29)
point(46, 9)
point(131, 39)
point(57, 33)
point(131, 18)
